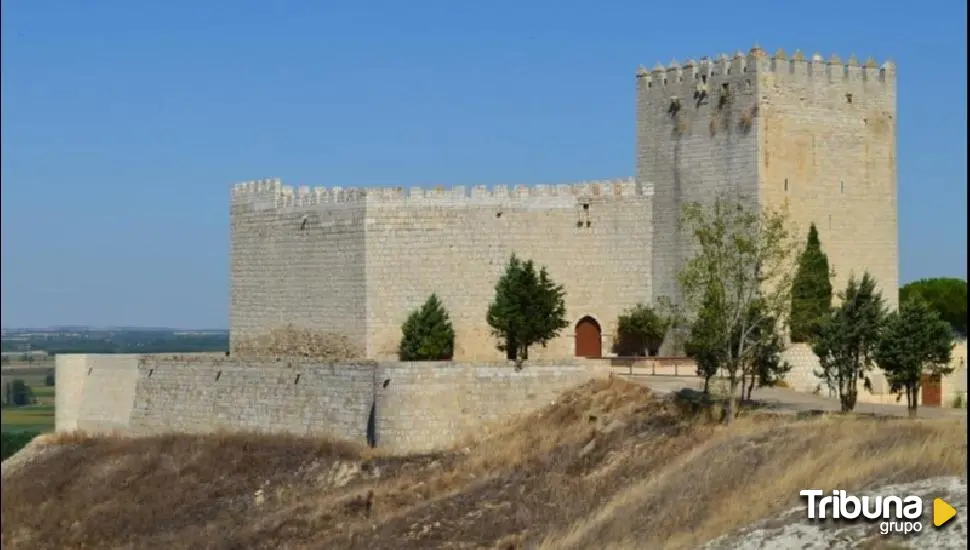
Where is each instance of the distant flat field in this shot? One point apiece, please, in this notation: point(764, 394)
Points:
point(35, 418)
point(38, 417)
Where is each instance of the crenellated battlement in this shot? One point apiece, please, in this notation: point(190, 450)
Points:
point(285, 196)
point(757, 60)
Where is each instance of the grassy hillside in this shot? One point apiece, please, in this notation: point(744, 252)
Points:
point(607, 466)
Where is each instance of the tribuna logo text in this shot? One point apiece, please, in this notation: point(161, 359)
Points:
point(839, 505)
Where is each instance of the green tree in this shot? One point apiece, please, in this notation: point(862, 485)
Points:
point(767, 366)
point(847, 339)
point(18, 393)
point(744, 257)
point(811, 290)
point(640, 330)
point(703, 344)
point(915, 340)
point(528, 309)
point(427, 335)
point(946, 295)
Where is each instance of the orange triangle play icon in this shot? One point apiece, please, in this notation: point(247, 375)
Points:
point(942, 512)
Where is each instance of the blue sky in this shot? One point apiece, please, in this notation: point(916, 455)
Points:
point(125, 123)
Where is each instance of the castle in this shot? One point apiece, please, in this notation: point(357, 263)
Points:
point(354, 263)
point(317, 269)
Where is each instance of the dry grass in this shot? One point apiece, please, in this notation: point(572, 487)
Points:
point(608, 465)
point(755, 469)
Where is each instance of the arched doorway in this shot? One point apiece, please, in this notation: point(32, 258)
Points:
point(589, 338)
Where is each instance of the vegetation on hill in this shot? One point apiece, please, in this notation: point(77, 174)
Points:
point(946, 295)
point(529, 309)
point(811, 290)
point(427, 334)
point(737, 283)
point(12, 441)
point(608, 465)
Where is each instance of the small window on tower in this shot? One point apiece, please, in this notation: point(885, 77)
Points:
point(848, 98)
point(786, 184)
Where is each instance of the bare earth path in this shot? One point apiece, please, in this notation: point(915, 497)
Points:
point(786, 400)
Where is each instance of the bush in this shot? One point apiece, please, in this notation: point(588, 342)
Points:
point(427, 335)
point(640, 330)
point(11, 442)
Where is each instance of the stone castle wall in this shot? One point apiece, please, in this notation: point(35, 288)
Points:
point(352, 263)
point(295, 266)
point(818, 134)
point(828, 147)
point(400, 407)
point(691, 149)
point(357, 262)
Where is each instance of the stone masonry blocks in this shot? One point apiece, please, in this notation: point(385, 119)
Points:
point(400, 407)
point(819, 135)
point(356, 264)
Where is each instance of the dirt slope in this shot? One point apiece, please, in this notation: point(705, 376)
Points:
point(607, 466)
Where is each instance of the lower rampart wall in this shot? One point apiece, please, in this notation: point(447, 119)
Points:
point(400, 407)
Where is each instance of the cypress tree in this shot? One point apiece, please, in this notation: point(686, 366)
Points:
point(811, 290)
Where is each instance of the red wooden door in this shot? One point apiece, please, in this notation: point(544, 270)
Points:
point(931, 388)
point(589, 338)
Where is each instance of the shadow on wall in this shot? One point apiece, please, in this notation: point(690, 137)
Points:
point(372, 426)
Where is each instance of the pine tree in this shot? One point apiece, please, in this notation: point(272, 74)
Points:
point(528, 309)
point(811, 290)
point(427, 333)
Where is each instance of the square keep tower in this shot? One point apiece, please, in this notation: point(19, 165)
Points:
point(819, 134)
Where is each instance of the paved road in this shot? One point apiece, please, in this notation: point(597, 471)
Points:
point(786, 400)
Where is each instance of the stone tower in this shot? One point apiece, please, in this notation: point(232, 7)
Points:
point(821, 134)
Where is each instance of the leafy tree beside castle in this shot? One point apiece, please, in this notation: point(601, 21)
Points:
point(640, 331)
point(811, 290)
point(945, 295)
point(428, 334)
point(915, 341)
point(741, 274)
point(528, 309)
point(703, 344)
point(767, 366)
point(846, 340)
